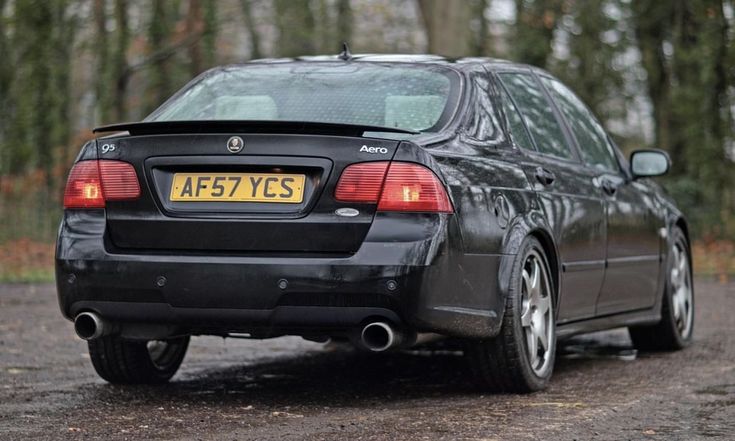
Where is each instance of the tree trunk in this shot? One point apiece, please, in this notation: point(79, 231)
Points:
point(120, 72)
point(700, 48)
point(447, 24)
point(102, 80)
point(651, 19)
point(481, 40)
point(209, 38)
point(62, 43)
point(195, 26)
point(534, 30)
point(6, 77)
point(158, 33)
point(32, 128)
point(296, 28)
point(324, 27)
point(688, 88)
point(344, 23)
point(253, 34)
point(589, 68)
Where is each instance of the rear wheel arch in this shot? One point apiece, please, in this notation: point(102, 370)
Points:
point(549, 247)
point(507, 362)
point(534, 225)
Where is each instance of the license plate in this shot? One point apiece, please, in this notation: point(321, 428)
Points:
point(238, 187)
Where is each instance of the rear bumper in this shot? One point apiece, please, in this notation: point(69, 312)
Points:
point(415, 280)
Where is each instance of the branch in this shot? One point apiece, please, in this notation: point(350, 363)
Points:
point(164, 54)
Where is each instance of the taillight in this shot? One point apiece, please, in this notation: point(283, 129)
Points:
point(91, 183)
point(84, 186)
point(394, 186)
point(361, 182)
point(413, 187)
point(119, 181)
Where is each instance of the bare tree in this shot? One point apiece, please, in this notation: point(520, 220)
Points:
point(120, 71)
point(195, 25)
point(296, 28)
point(344, 21)
point(447, 24)
point(102, 51)
point(534, 30)
point(247, 13)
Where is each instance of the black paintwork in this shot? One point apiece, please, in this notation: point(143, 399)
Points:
point(272, 270)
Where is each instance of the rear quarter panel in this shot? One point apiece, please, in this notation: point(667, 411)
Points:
point(494, 208)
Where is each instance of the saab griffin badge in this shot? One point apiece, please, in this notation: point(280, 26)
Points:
point(234, 144)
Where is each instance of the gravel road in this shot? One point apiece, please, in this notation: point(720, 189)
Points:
point(290, 389)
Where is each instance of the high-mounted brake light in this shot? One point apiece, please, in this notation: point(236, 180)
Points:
point(394, 186)
point(91, 183)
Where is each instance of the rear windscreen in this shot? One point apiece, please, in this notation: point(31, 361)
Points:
point(408, 97)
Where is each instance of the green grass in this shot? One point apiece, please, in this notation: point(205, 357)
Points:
point(28, 276)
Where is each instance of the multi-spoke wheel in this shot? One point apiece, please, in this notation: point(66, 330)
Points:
point(521, 357)
point(134, 362)
point(681, 290)
point(537, 317)
point(675, 329)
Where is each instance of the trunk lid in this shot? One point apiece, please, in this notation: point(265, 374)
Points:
point(157, 223)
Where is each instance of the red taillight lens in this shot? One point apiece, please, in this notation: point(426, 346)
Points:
point(119, 181)
point(361, 182)
point(394, 186)
point(413, 187)
point(84, 186)
point(91, 183)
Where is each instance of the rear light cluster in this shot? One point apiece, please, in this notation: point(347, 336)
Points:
point(91, 183)
point(394, 186)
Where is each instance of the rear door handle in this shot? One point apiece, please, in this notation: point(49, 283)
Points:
point(608, 186)
point(544, 176)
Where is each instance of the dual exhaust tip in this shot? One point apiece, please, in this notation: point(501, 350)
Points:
point(89, 326)
point(375, 336)
point(380, 336)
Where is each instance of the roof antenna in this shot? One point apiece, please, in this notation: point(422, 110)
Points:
point(345, 55)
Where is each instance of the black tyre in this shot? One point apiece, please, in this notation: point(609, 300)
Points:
point(137, 362)
point(676, 327)
point(521, 358)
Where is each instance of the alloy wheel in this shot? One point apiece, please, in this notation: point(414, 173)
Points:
point(681, 290)
point(537, 317)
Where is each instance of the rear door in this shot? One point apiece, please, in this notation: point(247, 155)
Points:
point(572, 203)
point(283, 203)
point(632, 251)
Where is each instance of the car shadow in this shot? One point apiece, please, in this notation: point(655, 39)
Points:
point(343, 377)
point(332, 379)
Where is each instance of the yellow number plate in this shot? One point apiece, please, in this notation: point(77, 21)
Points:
point(238, 187)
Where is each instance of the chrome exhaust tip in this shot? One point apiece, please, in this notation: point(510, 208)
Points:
point(90, 326)
point(379, 336)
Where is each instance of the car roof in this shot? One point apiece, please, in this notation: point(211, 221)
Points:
point(456, 63)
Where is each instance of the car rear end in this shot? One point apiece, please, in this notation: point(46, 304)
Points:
point(251, 227)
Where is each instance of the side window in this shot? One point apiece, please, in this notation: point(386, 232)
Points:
point(482, 124)
point(515, 123)
point(590, 135)
point(538, 114)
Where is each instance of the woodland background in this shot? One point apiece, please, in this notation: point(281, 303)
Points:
point(658, 73)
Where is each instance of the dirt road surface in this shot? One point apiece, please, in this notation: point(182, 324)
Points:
point(290, 389)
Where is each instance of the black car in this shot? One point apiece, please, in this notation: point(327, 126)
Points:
point(372, 198)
